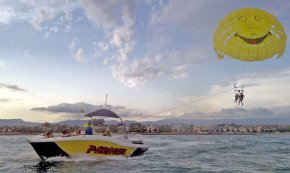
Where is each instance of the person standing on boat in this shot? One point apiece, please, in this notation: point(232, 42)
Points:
point(88, 127)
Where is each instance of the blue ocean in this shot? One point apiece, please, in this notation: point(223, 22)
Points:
point(167, 153)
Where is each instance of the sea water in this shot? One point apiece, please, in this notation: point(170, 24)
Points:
point(167, 153)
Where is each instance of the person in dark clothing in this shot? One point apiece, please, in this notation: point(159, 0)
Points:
point(241, 97)
point(88, 128)
point(236, 97)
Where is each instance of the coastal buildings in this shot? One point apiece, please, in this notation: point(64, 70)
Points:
point(222, 129)
point(152, 129)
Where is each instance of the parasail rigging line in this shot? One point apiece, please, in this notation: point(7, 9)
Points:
point(196, 100)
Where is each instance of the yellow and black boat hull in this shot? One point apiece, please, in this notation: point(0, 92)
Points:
point(95, 146)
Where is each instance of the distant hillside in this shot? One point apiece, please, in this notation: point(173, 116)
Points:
point(72, 122)
point(81, 122)
point(16, 122)
point(20, 122)
point(252, 121)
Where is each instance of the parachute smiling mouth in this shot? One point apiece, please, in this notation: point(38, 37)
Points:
point(253, 40)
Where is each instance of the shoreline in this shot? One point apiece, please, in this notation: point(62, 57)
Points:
point(13, 134)
point(196, 134)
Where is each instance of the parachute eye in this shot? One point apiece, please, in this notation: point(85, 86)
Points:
point(242, 18)
point(258, 19)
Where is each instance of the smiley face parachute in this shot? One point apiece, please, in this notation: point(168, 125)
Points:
point(249, 34)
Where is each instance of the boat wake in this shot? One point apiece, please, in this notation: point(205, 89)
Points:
point(82, 158)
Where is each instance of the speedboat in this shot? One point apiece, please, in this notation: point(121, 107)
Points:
point(95, 145)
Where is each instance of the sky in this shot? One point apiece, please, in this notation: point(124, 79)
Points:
point(154, 58)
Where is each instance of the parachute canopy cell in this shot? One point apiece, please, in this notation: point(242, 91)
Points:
point(249, 34)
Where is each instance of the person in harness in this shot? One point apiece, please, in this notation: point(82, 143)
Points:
point(241, 97)
point(236, 97)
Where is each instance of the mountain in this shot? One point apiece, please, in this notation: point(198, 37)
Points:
point(16, 122)
point(20, 122)
point(81, 122)
point(72, 122)
point(252, 121)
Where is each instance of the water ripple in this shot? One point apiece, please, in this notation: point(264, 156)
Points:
point(168, 153)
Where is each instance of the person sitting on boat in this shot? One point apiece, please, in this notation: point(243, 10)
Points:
point(89, 129)
point(65, 133)
point(49, 134)
point(108, 132)
point(78, 132)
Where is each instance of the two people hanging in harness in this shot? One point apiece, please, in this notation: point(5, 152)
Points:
point(239, 96)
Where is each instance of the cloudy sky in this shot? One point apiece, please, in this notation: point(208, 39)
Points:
point(150, 57)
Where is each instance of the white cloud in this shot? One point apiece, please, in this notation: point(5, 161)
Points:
point(177, 64)
point(75, 108)
point(102, 45)
point(180, 72)
point(40, 15)
point(138, 72)
point(103, 13)
point(117, 19)
point(77, 53)
point(33, 12)
point(54, 29)
point(80, 55)
point(171, 64)
point(122, 38)
point(36, 14)
point(100, 48)
point(125, 51)
point(6, 14)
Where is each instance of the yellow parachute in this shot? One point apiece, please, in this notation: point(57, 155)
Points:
point(250, 34)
